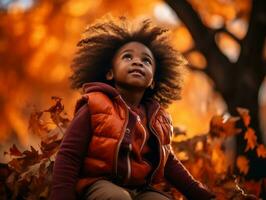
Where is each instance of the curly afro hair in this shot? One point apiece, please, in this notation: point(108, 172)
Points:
point(101, 41)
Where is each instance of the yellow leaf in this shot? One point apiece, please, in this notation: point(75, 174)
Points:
point(261, 151)
point(251, 138)
point(243, 164)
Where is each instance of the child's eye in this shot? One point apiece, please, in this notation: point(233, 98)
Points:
point(147, 61)
point(127, 56)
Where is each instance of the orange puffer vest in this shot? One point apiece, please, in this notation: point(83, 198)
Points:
point(109, 117)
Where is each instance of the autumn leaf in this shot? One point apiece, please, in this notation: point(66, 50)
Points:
point(36, 124)
point(17, 165)
point(251, 138)
point(223, 128)
point(244, 113)
point(261, 151)
point(14, 151)
point(48, 149)
point(243, 164)
point(56, 112)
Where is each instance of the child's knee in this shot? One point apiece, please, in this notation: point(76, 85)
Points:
point(105, 190)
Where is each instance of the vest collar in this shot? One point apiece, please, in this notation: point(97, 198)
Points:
point(150, 104)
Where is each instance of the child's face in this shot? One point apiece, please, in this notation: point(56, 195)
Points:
point(133, 66)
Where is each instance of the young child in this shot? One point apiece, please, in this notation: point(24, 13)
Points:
point(118, 144)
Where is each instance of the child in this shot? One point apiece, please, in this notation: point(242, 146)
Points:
point(118, 144)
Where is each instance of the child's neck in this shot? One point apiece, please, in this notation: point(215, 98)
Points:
point(132, 98)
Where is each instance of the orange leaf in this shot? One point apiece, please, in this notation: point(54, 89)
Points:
point(219, 127)
point(244, 113)
point(251, 138)
point(243, 164)
point(261, 151)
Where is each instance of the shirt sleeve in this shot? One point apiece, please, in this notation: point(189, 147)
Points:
point(179, 177)
point(70, 156)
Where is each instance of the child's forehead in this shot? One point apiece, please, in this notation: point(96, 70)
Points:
point(135, 46)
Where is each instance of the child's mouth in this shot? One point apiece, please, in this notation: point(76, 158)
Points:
point(137, 72)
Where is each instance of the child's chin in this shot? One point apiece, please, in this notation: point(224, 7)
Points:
point(134, 85)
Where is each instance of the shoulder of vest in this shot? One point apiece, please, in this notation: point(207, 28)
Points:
point(163, 113)
point(99, 101)
point(92, 98)
point(96, 96)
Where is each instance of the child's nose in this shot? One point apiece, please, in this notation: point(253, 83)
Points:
point(137, 62)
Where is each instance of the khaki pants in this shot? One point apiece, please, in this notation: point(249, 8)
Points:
point(106, 190)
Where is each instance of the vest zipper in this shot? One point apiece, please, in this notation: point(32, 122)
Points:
point(122, 136)
point(128, 162)
point(145, 133)
point(160, 146)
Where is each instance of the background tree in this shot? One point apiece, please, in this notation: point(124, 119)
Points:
point(238, 82)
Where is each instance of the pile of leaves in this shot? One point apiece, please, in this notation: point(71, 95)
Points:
point(28, 174)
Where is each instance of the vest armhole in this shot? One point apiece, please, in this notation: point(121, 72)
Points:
point(80, 103)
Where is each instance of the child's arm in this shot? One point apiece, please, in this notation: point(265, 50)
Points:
point(179, 177)
point(70, 156)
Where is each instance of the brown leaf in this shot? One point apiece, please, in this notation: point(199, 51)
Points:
point(49, 148)
point(261, 151)
point(17, 165)
point(31, 156)
point(244, 113)
point(251, 138)
point(14, 151)
point(56, 112)
point(243, 164)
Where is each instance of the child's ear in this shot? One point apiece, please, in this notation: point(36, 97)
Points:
point(109, 75)
point(152, 85)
